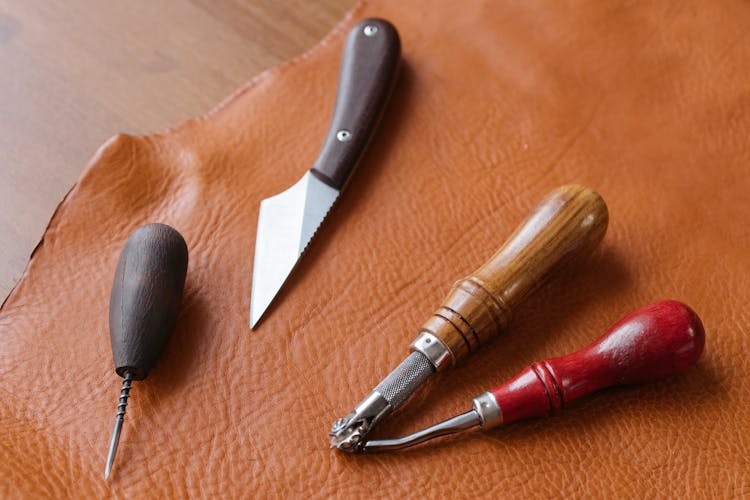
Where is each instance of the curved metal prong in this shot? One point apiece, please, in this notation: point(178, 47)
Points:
point(451, 426)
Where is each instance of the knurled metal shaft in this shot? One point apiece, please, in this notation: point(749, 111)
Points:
point(392, 392)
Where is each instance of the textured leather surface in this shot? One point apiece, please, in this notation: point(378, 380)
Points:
point(497, 104)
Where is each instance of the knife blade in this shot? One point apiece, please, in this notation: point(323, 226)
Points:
point(288, 221)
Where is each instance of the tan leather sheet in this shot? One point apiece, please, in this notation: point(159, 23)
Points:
point(497, 104)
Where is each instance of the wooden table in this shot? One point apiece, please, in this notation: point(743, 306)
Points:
point(75, 73)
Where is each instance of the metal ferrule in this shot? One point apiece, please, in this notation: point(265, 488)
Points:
point(347, 432)
point(434, 350)
point(488, 410)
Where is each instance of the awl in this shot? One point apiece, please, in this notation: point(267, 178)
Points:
point(288, 221)
point(569, 222)
point(654, 342)
point(143, 308)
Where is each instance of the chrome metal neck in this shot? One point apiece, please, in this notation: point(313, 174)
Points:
point(486, 413)
point(456, 424)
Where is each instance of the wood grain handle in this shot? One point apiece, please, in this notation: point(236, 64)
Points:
point(656, 341)
point(569, 222)
point(368, 72)
point(146, 296)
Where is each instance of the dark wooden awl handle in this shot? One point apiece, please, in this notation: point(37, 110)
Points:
point(368, 72)
point(146, 296)
point(569, 222)
point(654, 342)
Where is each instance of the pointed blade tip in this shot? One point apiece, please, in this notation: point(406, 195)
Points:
point(256, 314)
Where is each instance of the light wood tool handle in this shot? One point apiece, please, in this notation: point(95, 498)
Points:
point(568, 223)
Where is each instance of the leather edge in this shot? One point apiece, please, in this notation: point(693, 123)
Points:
point(338, 31)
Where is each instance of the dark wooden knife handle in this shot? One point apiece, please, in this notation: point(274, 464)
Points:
point(368, 72)
point(568, 223)
point(146, 296)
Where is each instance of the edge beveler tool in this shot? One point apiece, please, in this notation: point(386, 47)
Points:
point(656, 341)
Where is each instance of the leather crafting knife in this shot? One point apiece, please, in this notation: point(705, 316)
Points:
point(288, 221)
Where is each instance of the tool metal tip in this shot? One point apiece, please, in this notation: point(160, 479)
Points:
point(108, 468)
point(121, 406)
point(113, 447)
point(255, 317)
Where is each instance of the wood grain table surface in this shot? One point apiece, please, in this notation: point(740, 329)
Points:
point(74, 73)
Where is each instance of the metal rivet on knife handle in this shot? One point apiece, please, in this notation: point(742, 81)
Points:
point(288, 221)
point(368, 72)
point(568, 223)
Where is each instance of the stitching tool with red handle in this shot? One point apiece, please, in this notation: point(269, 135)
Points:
point(654, 342)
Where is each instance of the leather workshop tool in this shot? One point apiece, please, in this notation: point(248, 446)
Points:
point(656, 341)
point(288, 221)
point(143, 306)
point(569, 222)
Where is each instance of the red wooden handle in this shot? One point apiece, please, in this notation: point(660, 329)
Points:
point(656, 341)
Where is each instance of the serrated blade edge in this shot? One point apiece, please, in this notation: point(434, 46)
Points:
point(287, 222)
